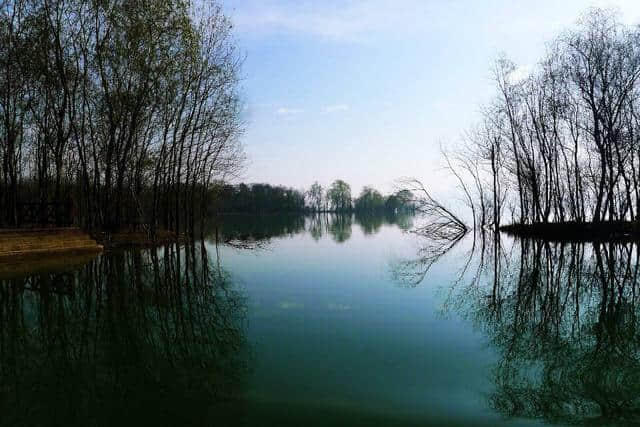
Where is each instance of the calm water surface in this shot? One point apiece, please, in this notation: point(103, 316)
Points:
point(324, 321)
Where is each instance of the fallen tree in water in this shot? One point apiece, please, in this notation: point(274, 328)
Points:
point(440, 222)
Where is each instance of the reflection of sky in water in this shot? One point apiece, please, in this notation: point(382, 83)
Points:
point(330, 329)
point(336, 335)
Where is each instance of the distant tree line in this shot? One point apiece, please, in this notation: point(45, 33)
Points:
point(123, 111)
point(258, 199)
point(265, 198)
point(236, 231)
point(560, 143)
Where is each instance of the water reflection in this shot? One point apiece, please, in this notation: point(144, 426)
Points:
point(340, 227)
point(371, 223)
point(240, 229)
point(564, 319)
point(132, 338)
point(565, 322)
point(411, 272)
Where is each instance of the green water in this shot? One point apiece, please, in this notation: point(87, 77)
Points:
point(295, 321)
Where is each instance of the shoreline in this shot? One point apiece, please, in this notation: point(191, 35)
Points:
point(20, 244)
point(577, 231)
point(137, 239)
point(34, 243)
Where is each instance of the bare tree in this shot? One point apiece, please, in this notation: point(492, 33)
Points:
point(130, 110)
point(441, 223)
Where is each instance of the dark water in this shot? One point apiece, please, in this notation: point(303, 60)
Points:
point(327, 320)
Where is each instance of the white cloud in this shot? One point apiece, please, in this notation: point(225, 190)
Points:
point(335, 108)
point(353, 20)
point(362, 20)
point(284, 111)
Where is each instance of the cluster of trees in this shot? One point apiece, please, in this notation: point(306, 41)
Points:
point(128, 109)
point(371, 200)
point(338, 198)
point(561, 144)
point(258, 199)
point(265, 198)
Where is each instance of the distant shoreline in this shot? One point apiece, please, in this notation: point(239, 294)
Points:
point(577, 231)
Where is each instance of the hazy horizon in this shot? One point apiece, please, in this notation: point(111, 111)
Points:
point(367, 91)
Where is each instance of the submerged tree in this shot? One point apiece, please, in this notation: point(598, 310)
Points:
point(440, 222)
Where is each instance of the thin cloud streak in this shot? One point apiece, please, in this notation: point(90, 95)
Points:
point(284, 111)
point(336, 108)
point(359, 20)
point(417, 71)
point(354, 20)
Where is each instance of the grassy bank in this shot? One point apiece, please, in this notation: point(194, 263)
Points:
point(44, 242)
point(577, 231)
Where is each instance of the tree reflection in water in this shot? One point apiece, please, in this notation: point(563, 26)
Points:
point(564, 320)
point(132, 338)
point(256, 231)
point(339, 227)
point(566, 326)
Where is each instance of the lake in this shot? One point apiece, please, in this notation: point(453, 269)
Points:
point(326, 320)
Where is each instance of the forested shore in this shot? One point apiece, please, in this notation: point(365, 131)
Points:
point(122, 115)
point(559, 143)
point(116, 114)
point(337, 198)
point(577, 231)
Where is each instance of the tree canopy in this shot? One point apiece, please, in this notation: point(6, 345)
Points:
point(561, 143)
point(129, 109)
point(266, 198)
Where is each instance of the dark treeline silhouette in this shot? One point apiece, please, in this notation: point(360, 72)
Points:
point(267, 199)
point(115, 113)
point(258, 199)
point(559, 144)
point(150, 337)
point(565, 138)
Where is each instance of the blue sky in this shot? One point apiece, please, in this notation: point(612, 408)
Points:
point(368, 90)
